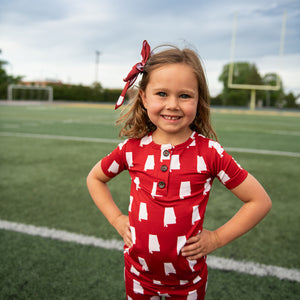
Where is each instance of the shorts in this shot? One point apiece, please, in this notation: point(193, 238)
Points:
point(135, 291)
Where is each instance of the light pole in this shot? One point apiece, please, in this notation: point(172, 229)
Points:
point(97, 65)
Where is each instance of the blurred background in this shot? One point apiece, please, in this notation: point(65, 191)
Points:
point(95, 43)
point(54, 242)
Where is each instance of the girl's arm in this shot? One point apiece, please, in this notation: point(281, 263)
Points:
point(256, 205)
point(96, 182)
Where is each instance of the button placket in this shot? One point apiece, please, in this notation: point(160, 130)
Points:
point(164, 168)
point(164, 171)
point(161, 185)
point(166, 153)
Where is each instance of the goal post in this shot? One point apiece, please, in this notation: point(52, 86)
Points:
point(252, 87)
point(29, 93)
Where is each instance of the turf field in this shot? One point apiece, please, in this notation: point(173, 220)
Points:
point(45, 154)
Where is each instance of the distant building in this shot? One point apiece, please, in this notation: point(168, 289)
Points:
point(41, 82)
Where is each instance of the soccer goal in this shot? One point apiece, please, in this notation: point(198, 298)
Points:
point(19, 92)
point(252, 87)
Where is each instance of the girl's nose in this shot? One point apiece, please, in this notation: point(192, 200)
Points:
point(172, 102)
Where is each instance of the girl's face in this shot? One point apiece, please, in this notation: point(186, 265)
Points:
point(171, 99)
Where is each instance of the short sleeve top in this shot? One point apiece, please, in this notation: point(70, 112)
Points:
point(170, 186)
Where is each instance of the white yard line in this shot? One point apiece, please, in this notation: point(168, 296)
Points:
point(282, 132)
point(116, 141)
point(261, 151)
point(212, 261)
point(61, 137)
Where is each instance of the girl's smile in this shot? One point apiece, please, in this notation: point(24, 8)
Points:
point(171, 118)
point(171, 99)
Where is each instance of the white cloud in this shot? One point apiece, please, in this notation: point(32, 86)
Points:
point(58, 39)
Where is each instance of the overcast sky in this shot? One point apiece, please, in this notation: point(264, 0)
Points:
point(57, 39)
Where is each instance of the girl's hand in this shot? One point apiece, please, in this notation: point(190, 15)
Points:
point(121, 224)
point(200, 245)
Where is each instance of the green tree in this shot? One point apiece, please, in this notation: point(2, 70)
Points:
point(6, 79)
point(76, 93)
point(272, 98)
point(246, 73)
point(243, 73)
point(290, 100)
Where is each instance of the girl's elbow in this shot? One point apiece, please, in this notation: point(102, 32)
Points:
point(268, 204)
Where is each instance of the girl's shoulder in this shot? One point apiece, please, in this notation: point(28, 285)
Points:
point(136, 142)
point(208, 146)
point(205, 141)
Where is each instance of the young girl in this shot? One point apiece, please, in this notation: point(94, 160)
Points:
point(172, 160)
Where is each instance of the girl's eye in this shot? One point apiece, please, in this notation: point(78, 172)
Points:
point(161, 94)
point(185, 96)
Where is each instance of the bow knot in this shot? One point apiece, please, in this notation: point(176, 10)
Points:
point(135, 71)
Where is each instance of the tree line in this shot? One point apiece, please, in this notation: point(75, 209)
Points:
point(244, 73)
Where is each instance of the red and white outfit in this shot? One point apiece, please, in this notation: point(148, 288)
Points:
point(169, 193)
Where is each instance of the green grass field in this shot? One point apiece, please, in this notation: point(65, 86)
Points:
point(42, 183)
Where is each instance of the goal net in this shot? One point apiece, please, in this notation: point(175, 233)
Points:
point(19, 92)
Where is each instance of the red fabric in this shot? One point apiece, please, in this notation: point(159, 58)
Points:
point(197, 292)
point(169, 193)
point(135, 71)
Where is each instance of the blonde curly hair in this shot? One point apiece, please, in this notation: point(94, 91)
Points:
point(134, 119)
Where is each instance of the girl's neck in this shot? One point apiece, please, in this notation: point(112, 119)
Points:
point(173, 139)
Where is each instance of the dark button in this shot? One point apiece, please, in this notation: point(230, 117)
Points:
point(164, 168)
point(166, 153)
point(161, 185)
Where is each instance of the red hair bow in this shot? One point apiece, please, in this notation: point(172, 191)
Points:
point(135, 71)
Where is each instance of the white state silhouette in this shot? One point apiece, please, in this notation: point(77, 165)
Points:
point(185, 189)
point(192, 295)
point(146, 140)
point(207, 186)
point(193, 143)
point(122, 144)
point(223, 177)
point(197, 279)
point(196, 215)
point(114, 167)
point(175, 163)
point(129, 159)
point(163, 295)
point(169, 268)
point(130, 203)
point(134, 271)
point(216, 146)
point(169, 216)
point(154, 189)
point(192, 264)
point(153, 243)
point(155, 298)
point(137, 182)
point(137, 288)
point(143, 214)
point(133, 235)
point(201, 165)
point(149, 165)
point(181, 240)
point(143, 264)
